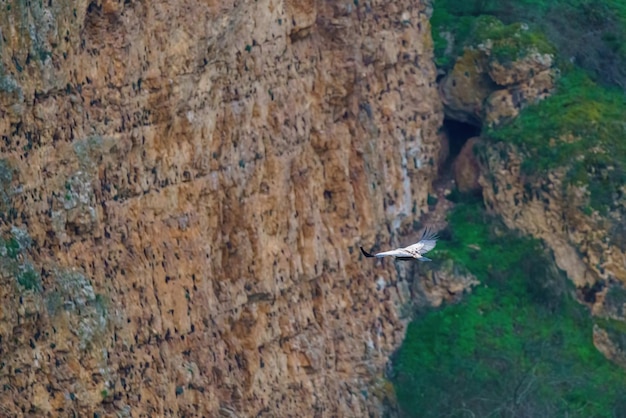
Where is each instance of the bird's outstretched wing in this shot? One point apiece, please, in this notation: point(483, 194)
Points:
point(395, 253)
point(426, 243)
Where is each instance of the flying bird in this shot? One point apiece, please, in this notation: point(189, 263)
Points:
point(426, 243)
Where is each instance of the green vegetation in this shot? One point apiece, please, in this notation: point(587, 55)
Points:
point(590, 32)
point(70, 291)
point(518, 346)
point(509, 42)
point(28, 277)
point(13, 260)
point(581, 126)
point(6, 191)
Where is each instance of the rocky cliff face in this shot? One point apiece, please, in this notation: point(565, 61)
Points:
point(589, 246)
point(185, 185)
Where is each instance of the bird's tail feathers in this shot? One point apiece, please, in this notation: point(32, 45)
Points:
point(422, 258)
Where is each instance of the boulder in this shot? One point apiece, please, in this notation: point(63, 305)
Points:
point(483, 90)
point(466, 168)
point(464, 90)
point(521, 70)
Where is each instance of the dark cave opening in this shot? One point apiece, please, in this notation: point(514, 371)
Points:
point(461, 169)
point(458, 133)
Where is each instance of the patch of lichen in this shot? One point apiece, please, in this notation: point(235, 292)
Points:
point(580, 128)
point(7, 173)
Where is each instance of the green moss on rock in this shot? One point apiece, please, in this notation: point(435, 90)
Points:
point(508, 43)
point(14, 260)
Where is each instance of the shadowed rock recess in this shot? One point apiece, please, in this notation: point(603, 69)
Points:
point(183, 185)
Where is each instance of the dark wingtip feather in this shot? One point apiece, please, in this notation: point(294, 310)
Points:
point(428, 234)
point(365, 253)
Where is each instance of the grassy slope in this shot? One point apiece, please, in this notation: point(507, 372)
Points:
point(518, 346)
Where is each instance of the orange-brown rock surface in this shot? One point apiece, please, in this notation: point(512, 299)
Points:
point(482, 91)
point(466, 168)
point(185, 185)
